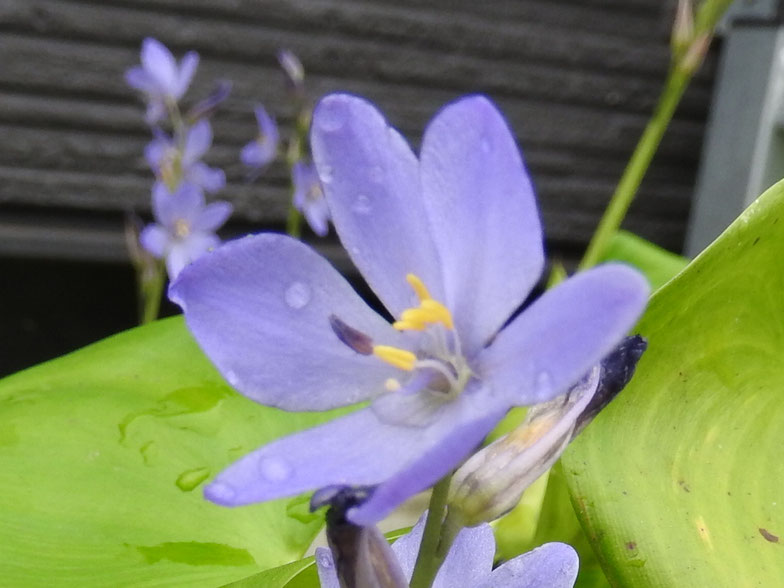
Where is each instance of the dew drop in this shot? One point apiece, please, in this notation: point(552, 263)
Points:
point(274, 469)
point(376, 174)
point(189, 480)
point(297, 295)
point(232, 378)
point(361, 204)
point(485, 145)
point(220, 493)
point(331, 116)
point(544, 384)
point(326, 174)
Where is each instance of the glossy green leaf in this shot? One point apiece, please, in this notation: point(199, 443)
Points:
point(297, 574)
point(104, 453)
point(658, 265)
point(679, 481)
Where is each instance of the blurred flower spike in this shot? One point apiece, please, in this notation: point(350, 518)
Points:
point(184, 227)
point(162, 81)
point(469, 563)
point(451, 243)
point(173, 163)
point(263, 150)
point(292, 67)
point(309, 197)
point(491, 482)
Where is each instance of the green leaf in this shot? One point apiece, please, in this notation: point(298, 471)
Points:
point(297, 574)
point(679, 481)
point(104, 454)
point(658, 265)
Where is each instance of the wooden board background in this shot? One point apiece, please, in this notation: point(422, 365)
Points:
point(577, 80)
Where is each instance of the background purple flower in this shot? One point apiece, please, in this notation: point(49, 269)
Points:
point(174, 163)
point(262, 151)
point(461, 226)
point(469, 563)
point(309, 197)
point(160, 78)
point(185, 228)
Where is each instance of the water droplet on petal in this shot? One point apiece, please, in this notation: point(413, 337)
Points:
point(331, 116)
point(297, 295)
point(376, 174)
point(274, 469)
point(221, 493)
point(485, 145)
point(324, 558)
point(232, 378)
point(543, 386)
point(326, 174)
point(361, 204)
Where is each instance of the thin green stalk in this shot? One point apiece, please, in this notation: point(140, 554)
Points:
point(676, 84)
point(151, 290)
point(294, 222)
point(428, 560)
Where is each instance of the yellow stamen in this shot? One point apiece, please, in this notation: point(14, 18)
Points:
point(407, 326)
point(440, 311)
point(418, 286)
point(392, 385)
point(400, 358)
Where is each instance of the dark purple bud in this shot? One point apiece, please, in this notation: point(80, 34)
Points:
point(356, 340)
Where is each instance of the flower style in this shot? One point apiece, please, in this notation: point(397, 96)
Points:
point(452, 245)
point(185, 228)
point(160, 78)
point(262, 151)
point(309, 197)
point(470, 563)
point(173, 163)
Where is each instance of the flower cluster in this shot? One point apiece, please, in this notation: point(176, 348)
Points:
point(184, 227)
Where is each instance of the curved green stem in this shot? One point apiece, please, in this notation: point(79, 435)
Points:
point(294, 222)
point(429, 558)
point(151, 290)
point(676, 84)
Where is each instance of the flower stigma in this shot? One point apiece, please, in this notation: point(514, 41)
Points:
point(182, 228)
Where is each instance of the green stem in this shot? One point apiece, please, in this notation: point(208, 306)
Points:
point(151, 289)
point(428, 560)
point(676, 84)
point(294, 222)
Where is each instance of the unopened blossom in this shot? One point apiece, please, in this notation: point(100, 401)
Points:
point(175, 161)
point(264, 148)
point(451, 243)
point(309, 197)
point(184, 227)
point(491, 482)
point(160, 78)
point(469, 563)
point(292, 67)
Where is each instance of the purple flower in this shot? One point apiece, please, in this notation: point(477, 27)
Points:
point(263, 149)
point(292, 67)
point(174, 163)
point(309, 197)
point(160, 78)
point(185, 228)
point(452, 245)
point(470, 563)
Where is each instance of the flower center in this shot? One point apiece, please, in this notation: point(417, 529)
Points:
point(181, 228)
point(439, 354)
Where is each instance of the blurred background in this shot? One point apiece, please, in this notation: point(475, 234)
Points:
point(577, 80)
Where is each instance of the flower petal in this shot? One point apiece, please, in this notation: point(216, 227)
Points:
point(325, 566)
point(555, 341)
point(211, 179)
point(155, 240)
point(178, 256)
point(371, 180)
point(469, 561)
point(187, 68)
point(212, 217)
point(475, 185)
point(197, 142)
point(158, 61)
point(138, 79)
point(553, 565)
point(186, 203)
point(317, 214)
point(260, 308)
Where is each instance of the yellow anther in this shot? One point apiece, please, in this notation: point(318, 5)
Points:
point(407, 326)
point(419, 316)
point(418, 286)
point(392, 385)
point(440, 311)
point(400, 358)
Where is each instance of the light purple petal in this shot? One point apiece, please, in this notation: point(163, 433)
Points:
point(469, 561)
point(187, 68)
point(155, 240)
point(483, 214)
point(553, 565)
point(371, 180)
point(268, 128)
point(177, 257)
point(211, 179)
point(158, 61)
point(155, 151)
point(317, 214)
point(156, 110)
point(555, 341)
point(255, 154)
point(139, 79)
point(325, 565)
point(212, 217)
point(197, 142)
point(356, 450)
point(185, 204)
point(260, 308)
